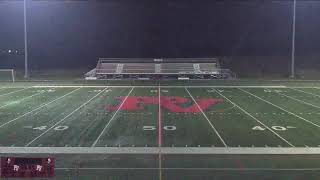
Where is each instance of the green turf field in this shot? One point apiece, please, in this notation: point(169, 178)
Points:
point(167, 116)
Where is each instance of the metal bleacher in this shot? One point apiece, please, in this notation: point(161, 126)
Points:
point(186, 68)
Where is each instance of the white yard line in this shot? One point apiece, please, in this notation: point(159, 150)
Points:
point(39, 107)
point(15, 91)
point(164, 150)
point(22, 99)
point(155, 86)
point(204, 169)
point(107, 125)
point(316, 95)
point(214, 129)
point(295, 99)
point(247, 113)
point(85, 103)
point(281, 108)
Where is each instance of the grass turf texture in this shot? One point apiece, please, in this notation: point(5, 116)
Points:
point(247, 117)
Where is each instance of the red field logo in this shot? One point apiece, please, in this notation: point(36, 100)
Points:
point(171, 103)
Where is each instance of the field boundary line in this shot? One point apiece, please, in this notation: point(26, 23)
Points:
point(295, 99)
point(109, 122)
point(281, 108)
point(14, 91)
point(164, 150)
point(160, 134)
point(214, 129)
point(154, 86)
point(305, 92)
point(39, 107)
point(159, 118)
point(257, 120)
point(82, 105)
point(22, 99)
point(203, 169)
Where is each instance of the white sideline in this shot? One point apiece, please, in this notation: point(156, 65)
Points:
point(39, 107)
point(142, 86)
point(22, 99)
point(65, 117)
point(295, 99)
point(164, 150)
point(14, 91)
point(305, 92)
point(198, 169)
point(280, 108)
point(107, 125)
point(247, 113)
point(214, 129)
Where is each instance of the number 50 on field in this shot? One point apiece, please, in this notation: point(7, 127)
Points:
point(153, 128)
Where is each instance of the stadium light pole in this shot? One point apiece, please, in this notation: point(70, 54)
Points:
point(26, 73)
point(293, 39)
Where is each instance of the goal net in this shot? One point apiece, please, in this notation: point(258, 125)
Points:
point(7, 75)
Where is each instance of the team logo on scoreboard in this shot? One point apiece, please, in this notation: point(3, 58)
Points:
point(19, 167)
point(174, 104)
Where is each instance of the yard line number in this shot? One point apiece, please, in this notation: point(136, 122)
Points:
point(277, 128)
point(153, 128)
point(58, 128)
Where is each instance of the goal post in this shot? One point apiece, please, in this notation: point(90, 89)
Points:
point(7, 75)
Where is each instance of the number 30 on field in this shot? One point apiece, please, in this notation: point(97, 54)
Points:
point(153, 128)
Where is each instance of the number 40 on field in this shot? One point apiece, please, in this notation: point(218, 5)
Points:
point(277, 128)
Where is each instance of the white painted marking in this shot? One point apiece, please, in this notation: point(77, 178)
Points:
point(39, 107)
point(107, 125)
point(214, 129)
point(86, 86)
point(41, 128)
point(295, 99)
point(279, 128)
point(206, 169)
point(316, 95)
point(155, 150)
point(149, 128)
point(63, 119)
point(21, 99)
point(281, 108)
point(169, 128)
point(14, 91)
point(256, 120)
point(61, 128)
point(290, 127)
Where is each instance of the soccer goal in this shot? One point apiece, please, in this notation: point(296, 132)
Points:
point(7, 75)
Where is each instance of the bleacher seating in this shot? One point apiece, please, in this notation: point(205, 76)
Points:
point(160, 68)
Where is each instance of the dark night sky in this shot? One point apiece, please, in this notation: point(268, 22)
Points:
point(68, 33)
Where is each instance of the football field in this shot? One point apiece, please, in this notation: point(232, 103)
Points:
point(181, 118)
